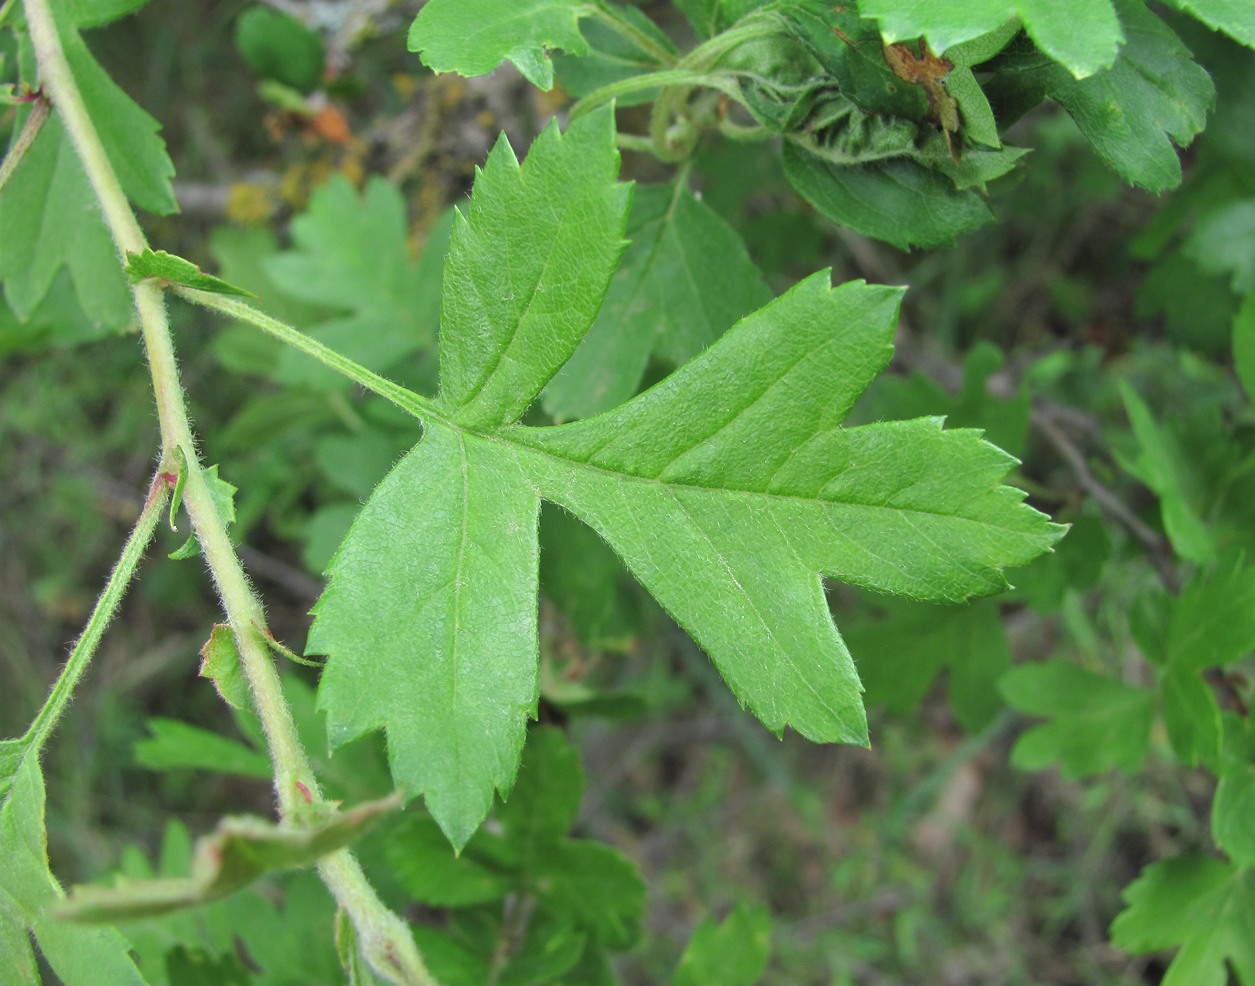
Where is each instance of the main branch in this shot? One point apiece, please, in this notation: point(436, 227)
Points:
point(385, 939)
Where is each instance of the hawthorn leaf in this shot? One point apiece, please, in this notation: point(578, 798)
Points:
point(1235, 17)
point(1082, 35)
point(1223, 242)
point(51, 224)
point(424, 864)
point(1154, 96)
point(222, 494)
point(175, 745)
point(897, 201)
point(429, 622)
point(1232, 811)
point(728, 490)
point(1191, 717)
point(528, 269)
point(350, 253)
point(1097, 724)
point(240, 850)
point(78, 956)
point(1204, 907)
point(683, 281)
point(906, 651)
point(731, 953)
point(1213, 620)
point(473, 37)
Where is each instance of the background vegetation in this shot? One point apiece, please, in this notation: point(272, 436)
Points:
point(1089, 330)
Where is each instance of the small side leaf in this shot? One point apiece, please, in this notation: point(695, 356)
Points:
point(176, 745)
point(223, 495)
point(175, 270)
point(220, 663)
point(240, 850)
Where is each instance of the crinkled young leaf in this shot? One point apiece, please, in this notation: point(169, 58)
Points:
point(1082, 35)
point(728, 490)
point(473, 37)
point(1097, 724)
point(684, 279)
point(78, 956)
point(1204, 907)
point(897, 201)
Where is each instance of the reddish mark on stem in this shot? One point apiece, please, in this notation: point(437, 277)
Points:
point(161, 480)
point(309, 798)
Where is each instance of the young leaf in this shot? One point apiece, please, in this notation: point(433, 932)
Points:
point(220, 663)
point(239, 851)
point(1098, 723)
point(732, 953)
point(223, 495)
point(1082, 35)
point(175, 270)
point(685, 278)
point(473, 37)
point(728, 490)
point(1203, 906)
point(79, 956)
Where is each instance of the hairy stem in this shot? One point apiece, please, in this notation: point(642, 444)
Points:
point(85, 647)
point(295, 785)
point(30, 130)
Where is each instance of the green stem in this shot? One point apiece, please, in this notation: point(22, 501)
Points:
point(85, 648)
point(652, 80)
point(295, 784)
point(406, 400)
point(30, 130)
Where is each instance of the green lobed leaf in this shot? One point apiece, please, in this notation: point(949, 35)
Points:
point(51, 224)
point(175, 745)
point(1155, 95)
point(528, 268)
point(351, 253)
point(684, 279)
point(239, 851)
point(473, 37)
point(424, 864)
point(1191, 717)
point(1202, 906)
point(906, 651)
point(728, 490)
point(175, 270)
point(1096, 724)
point(1232, 811)
point(1235, 17)
point(733, 952)
point(78, 956)
point(1082, 35)
point(1213, 620)
point(1223, 242)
